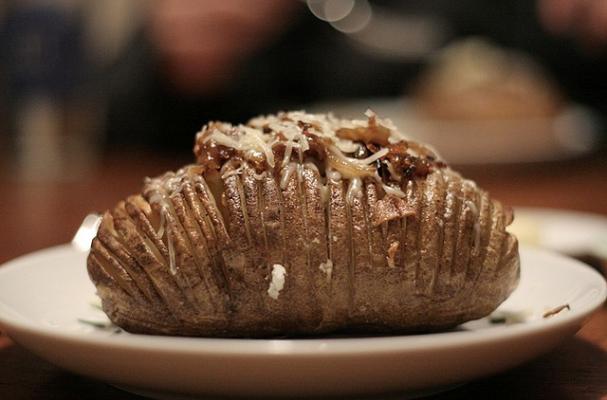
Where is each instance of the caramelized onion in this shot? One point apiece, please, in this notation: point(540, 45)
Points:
point(346, 168)
point(366, 134)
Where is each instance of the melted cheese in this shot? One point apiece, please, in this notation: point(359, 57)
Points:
point(354, 190)
point(278, 281)
point(365, 161)
point(393, 191)
point(285, 175)
point(327, 269)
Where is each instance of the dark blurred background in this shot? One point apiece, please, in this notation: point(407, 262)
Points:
point(82, 78)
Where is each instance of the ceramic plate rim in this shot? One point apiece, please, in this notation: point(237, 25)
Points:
point(301, 347)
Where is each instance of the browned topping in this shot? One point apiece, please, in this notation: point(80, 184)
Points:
point(372, 147)
point(372, 133)
point(317, 145)
point(354, 148)
point(411, 166)
point(212, 155)
point(306, 126)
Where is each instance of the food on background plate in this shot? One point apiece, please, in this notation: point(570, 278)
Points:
point(476, 80)
point(304, 224)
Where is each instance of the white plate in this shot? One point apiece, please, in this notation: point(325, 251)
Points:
point(569, 232)
point(572, 133)
point(42, 296)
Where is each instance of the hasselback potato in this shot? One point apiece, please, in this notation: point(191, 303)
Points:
point(299, 224)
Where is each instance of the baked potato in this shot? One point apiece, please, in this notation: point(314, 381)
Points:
point(301, 224)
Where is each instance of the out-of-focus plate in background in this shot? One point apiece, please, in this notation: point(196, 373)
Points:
point(573, 133)
point(569, 232)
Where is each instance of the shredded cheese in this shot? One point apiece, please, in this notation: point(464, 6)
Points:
point(393, 191)
point(253, 137)
point(278, 281)
point(365, 161)
point(327, 269)
point(296, 131)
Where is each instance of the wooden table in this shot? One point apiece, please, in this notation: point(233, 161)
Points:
point(37, 215)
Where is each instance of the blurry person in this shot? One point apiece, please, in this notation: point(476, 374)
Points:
point(585, 20)
point(201, 44)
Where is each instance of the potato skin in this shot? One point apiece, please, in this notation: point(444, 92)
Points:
point(193, 255)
